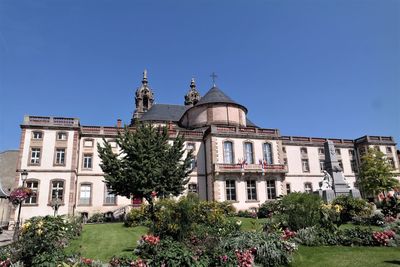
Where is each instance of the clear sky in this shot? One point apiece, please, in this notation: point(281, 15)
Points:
point(309, 68)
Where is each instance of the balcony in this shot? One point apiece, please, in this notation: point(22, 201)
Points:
point(249, 168)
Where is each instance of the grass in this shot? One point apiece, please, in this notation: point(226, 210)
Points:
point(347, 257)
point(250, 224)
point(102, 241)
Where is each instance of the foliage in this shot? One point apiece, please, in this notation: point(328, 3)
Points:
point(42, 239)
point(351, 207)
point(178, 219)
point(300, 210)
point(356, 237)
point(377, 219)
point(268, 208)
point(97, 218)
point(137, 216)
point(390, 205)
point(247, 214)
point(147, 164)
point(268, 250)
point(376, 173)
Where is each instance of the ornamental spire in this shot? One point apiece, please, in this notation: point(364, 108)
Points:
point(193, 96)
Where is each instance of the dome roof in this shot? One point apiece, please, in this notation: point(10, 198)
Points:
point(215, 95)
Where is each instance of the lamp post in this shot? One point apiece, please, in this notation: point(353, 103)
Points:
point(24, 176)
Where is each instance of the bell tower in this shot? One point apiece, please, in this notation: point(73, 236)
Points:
point(144, 99)
point(193, 96)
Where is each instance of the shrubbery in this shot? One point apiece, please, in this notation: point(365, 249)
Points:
point(352, 207)
point(300, 210)
point(42, 240)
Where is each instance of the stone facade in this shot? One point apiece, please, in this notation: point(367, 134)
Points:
point(234, 159)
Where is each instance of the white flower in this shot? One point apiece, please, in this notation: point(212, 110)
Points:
point(239, 222)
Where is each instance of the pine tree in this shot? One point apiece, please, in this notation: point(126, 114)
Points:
point(376, 173)
point(149, 163)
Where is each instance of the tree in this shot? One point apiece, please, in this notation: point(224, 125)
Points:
point(376, 173)
point(147, 164)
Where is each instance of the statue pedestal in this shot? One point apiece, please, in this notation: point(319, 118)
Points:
point(328, 195)
point(355, 193)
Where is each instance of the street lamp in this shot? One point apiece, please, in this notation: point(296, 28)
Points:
point(24, 176)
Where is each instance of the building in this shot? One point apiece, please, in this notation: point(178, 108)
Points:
point(235, 160)
point(8, 166)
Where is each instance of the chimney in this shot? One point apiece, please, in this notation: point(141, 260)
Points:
point(119, 123)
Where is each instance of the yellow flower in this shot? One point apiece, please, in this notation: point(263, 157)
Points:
point(39, 232)
point(40, 224)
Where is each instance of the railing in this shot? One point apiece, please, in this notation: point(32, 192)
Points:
point(52, 121)
point(266, 168)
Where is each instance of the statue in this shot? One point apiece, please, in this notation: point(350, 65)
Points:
point(327, 182)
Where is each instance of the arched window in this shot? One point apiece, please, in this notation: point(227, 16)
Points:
point(267, 150)
point(228, 152)
point(248, 153)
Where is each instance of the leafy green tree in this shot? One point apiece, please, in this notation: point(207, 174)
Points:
point(150, 163)
point(376, 174)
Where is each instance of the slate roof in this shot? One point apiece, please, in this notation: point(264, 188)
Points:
point(164, 112)
point(215, 95)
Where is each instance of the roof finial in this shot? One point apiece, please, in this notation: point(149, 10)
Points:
point(213, 76)
point(144, 76)
point(192, 83)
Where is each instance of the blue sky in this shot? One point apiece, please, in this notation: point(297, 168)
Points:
point(309, 68)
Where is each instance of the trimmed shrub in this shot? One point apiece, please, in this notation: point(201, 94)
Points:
point(137, 216)
point(97, 218)
point(300, 210)
point(268, 209)
point(352, 207)
point(247, 214)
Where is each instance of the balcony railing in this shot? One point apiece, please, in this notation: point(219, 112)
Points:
point(249, 168)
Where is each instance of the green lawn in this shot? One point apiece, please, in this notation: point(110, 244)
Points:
point(249, 224)
point(102, 241)
point(347, 257)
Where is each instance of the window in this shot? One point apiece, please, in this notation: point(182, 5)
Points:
point(288, 189)
point(37, 135)
point(284, 149)
point(85, 194)
point(376, 148)
point(362, 151)
point(35, 156)
point(62, 136)
point(353, 165)
point(271, 190)
point(337, 151)
point(88, 142)
point(285, 162)
point(388, 150)
point(303, 151)
point(321, 165)
point(230, 190)
point(60, 156)
point(305, 165)
point(248, 153)
point(321, 151)
point(267, 149)
point(109, 197)
point(251, 190)
point(340, 162)
point(192, 188)
point(87, 161)
point(34, 186)
point(308, 188)
point(228, 152)
point(351, 152)
point(57, 190)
